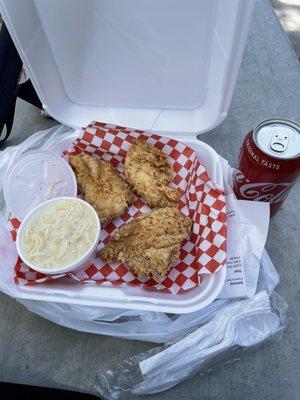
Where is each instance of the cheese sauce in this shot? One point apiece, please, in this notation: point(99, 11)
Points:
point(60, 235)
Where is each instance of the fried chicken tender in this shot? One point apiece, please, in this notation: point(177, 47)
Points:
point(103, 188)
point(147, 170)
point(150, 243)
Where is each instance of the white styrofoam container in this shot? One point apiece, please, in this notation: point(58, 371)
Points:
point(158, 65)
point(129, 297)
point(166, 66)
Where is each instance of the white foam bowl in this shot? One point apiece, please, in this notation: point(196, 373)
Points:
point(81, 263)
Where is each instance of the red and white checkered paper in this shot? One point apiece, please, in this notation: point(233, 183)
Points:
point(204, 251)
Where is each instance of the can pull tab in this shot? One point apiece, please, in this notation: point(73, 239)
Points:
point(279, 142)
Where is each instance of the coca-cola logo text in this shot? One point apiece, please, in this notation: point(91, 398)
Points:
point(270, 192)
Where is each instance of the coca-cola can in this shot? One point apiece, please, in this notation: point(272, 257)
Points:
point(269, 162)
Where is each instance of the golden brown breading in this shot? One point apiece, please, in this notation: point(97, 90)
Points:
point(103, 188)
point(149, 243)
point(149, 173)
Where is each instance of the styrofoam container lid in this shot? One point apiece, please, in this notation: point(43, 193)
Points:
point(163, 66)
point(37, 176)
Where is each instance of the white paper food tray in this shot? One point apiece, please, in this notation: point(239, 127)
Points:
point(153, 65)
point(128, 297)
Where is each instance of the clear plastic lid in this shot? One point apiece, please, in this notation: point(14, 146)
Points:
point(37, 176)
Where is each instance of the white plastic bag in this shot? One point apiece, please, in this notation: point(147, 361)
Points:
point(192, 342)
point(139, 325)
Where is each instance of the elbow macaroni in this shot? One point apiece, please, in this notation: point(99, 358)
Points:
point(59, 235)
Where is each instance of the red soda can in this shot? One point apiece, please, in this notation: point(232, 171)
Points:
point(269, 162)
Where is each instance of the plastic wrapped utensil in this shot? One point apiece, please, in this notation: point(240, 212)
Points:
point(240, 325)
